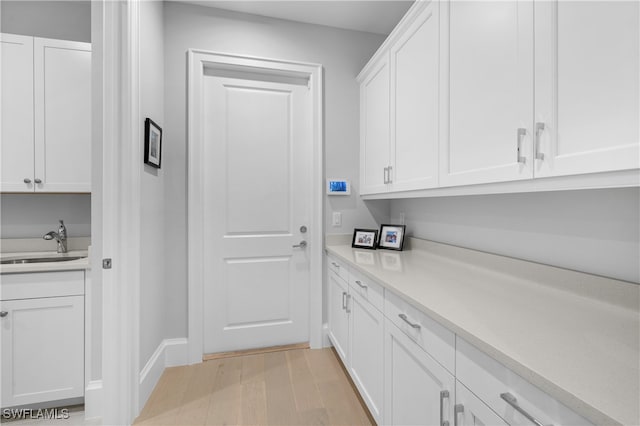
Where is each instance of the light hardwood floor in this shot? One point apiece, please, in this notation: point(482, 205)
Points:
point(295, 387)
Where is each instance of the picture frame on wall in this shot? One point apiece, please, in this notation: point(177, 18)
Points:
point(391, 237)
point(152, 143)
point(364, 238)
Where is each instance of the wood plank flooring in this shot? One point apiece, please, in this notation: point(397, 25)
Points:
point(294, 387)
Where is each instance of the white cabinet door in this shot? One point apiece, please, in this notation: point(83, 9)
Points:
point(487, 105)
point(42, 350)
point(471, 411)
point(16, 92)
point(374, 128)
point(414, 103)
point(366, 334)
point(63, 115)
point(418, 390)
point(338, 315)
point(587, 86)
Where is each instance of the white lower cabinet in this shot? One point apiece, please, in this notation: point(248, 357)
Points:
point(366, 349)
point(418, 390)
point(471, 411)
point(42, 355)
point(338, 315)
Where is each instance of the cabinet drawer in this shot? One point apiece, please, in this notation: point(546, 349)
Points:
point(339, 267)
point(42, 284)
point(368, 289)
point(489, 379)
point(427, 333)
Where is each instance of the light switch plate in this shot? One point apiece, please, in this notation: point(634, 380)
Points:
point(337, 219)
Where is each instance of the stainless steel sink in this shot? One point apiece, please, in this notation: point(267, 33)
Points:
point(39, 260)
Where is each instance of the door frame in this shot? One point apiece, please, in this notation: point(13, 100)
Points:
point(198, 61)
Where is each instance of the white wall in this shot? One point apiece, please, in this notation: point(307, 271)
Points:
point(153, 295)
point(595, 231)
point(67, 20)
point(342, 53)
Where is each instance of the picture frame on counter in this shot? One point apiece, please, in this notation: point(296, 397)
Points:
point(365, 238)
point(152, 143)
point(391, 237)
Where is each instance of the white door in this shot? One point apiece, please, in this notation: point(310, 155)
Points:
point(42, 350)
point(418, 390)
point(414, 107)
point(63, 116)
point(486, 131)
point(257, 186)
point(375, 99)
point(587, 86)
point(16, 92)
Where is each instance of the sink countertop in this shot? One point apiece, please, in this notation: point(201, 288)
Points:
point(574, 335)
point(70, 265)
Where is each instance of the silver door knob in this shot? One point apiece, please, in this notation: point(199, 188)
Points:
point(27, 180)
point(38, 180)
point(302, 244)
point(3, 314)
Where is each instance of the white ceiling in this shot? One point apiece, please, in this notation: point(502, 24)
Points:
point(374, 16)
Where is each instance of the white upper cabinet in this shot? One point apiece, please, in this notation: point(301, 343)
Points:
point(16, 92)
point(487, 60)
point(587, 87)
point(414, 103)
point(46, 115)
point(63, 115)
point(374, 127)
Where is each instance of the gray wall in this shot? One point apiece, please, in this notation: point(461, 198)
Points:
point(595, 231)
point(33, 215)
point(342, 53)
point(67, 20)
point(152, 283)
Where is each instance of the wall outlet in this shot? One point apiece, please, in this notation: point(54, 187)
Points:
point(337, 219)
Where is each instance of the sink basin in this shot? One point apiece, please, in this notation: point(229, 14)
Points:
point(39, 260)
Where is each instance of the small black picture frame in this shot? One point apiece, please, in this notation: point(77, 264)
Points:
point(152, 143)
point(364, 238)
point(391, 237)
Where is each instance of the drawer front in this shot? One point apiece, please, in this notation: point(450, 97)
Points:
point(42, 284)
point(489, 379)
point(339, 267)
point(368, 289)
point(427, 333)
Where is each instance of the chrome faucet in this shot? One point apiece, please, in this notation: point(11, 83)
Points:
point(60, 237)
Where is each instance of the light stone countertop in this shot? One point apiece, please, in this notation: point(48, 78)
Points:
point(574, 335)
point(69, 265)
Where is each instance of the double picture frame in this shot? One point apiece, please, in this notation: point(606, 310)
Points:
point(390, 237)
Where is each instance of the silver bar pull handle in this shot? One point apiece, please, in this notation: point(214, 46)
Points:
point(512, 401)
point(457, 409)
point(404, 318)
point(26, 180)
point(3, 314)
point(443, 394)
point(38, 180)
point(360, 284)
point(539, 130)
point(521, 133)
point(348, 309)
point(385, 175)
point(344, 300)
point(389, 170)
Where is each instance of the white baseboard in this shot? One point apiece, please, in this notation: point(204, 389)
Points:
point(93, 400)
point(326, 342)
point(169, 353)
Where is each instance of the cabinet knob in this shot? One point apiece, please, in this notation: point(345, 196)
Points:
point(3, 314)
point(38, 180)
point(26, 180)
